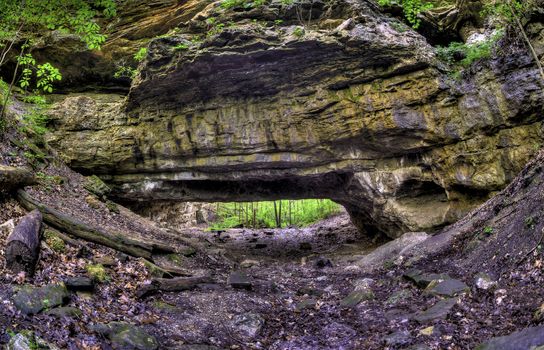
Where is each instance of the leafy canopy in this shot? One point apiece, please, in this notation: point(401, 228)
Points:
point(411, 9)
point(31, 17)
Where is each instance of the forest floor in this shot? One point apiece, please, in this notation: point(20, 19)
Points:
point(299, 281)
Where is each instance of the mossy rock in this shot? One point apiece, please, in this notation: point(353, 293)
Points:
point(126, 336)
point(356, 297)
point(26, 340)
point(65, 311)
point(96, 186)
point(187, 251)
point(112, 207)
point(97, 272)
point(54, 241)
point(32, 300)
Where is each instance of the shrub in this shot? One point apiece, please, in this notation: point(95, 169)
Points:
point(411, 9)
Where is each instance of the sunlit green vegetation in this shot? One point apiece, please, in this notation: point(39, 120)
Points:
point(282, 213)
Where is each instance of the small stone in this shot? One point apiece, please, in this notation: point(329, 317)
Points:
point(31, 300)
point(427, 331)
point(106, 261)
point(79, 283)
point(399, 338)
point(306, 304)
point(26, 340)
point(485, 282)
point(440, 310)
point(363, 284)
point(355, 297)
point(248, 325)
point(249, 263)
point(260, 245)
point(239, 280)
point(447, 288)
point(93, 202)
point(399, 297)
point(422, 280)
point(65, 311)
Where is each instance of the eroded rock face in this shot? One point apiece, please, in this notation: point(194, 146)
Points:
point(353, 110)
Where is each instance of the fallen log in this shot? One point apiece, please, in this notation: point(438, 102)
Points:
point(12, 178)
point(23, 244)
point(76, 228)
point(172, 285)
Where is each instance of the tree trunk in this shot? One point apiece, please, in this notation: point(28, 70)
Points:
point(74, 227)
point(23, 244)
point(11, 178)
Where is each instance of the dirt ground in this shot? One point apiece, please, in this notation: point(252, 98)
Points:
point(299, 278)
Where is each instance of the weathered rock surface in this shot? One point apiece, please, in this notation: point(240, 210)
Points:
point(356, 111)
point(126, 336)
point(529, 338)
point(31, 300)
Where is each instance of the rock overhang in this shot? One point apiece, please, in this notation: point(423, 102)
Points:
point(372, 124)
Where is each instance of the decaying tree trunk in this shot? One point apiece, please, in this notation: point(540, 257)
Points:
point(74, 227)
point(23, 244)
point(11, 178)
point(172, 285)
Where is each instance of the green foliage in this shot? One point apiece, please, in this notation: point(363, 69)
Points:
point(180, 47)
point(230, 4)
point(214, 27)
point(530, 222)
point(266, 215)
point(73, 16)
point(49, 179)
point(411, 9)
point(298, 32)
point(125, 72)
point(34, 122)
point(506, 10)
point(141, 54)
point(488, 230)
point(459, 55)
point(47, 74)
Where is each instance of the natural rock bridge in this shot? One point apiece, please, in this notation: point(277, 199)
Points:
point(364, 117)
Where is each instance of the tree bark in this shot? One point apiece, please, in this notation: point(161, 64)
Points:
point(74, 227)
point(23, 244)
point(11, 178)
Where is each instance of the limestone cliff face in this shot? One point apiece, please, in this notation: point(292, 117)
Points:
point(353, 108)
